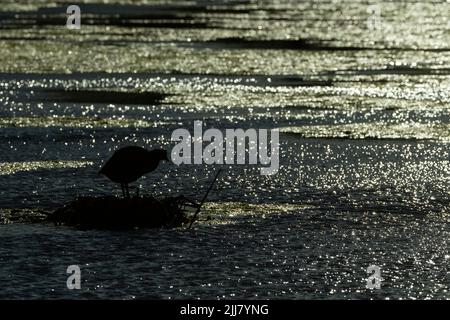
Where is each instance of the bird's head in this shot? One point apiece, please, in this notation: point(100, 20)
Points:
point(161, 154)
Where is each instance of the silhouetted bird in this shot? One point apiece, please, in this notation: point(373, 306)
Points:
point(130, 163)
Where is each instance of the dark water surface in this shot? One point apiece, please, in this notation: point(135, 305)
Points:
point(364, 158)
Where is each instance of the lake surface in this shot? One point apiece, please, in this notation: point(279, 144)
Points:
point(362, 103)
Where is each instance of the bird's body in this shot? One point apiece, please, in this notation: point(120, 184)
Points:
point(130, 163)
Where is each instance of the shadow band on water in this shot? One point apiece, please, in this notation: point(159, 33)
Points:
point(91, 96)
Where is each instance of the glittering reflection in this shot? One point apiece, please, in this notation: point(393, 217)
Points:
point(7, 168)
point(375, 131)
point(75, 122)
point(233, 212)
point(8, 216)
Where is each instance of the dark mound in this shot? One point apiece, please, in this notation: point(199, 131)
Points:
point(114, 213)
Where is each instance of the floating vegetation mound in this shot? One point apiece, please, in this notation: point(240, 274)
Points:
point(114, 213)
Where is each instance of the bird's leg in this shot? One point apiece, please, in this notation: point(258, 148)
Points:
point(123, 189)
point(128, 190)
point(137, 191)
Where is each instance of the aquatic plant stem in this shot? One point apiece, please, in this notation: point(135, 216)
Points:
point(204, 198)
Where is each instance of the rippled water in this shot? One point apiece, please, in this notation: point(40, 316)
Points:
point(364, 158)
